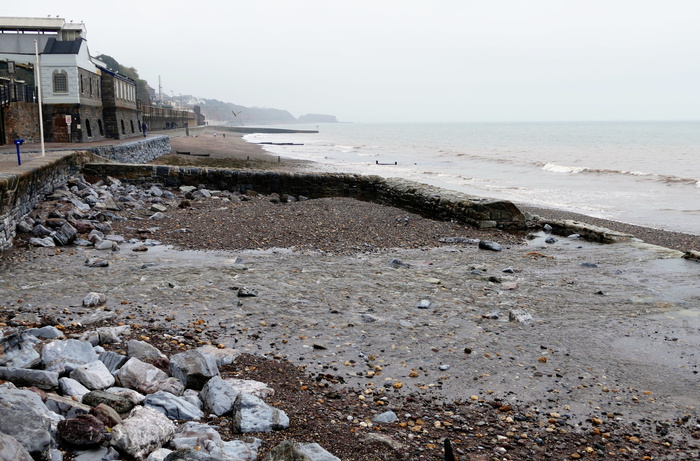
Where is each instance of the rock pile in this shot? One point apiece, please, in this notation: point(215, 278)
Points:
point(71, 395)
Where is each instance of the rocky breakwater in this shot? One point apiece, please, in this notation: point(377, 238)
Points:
point(70, 396)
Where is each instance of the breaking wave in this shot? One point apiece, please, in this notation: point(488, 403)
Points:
point(555, 168)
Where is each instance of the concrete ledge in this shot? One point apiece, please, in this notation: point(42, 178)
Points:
point(587, 231)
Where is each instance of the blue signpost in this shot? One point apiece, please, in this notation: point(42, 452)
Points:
point(19, 142)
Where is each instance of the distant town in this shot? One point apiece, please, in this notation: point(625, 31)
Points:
point(47, 73)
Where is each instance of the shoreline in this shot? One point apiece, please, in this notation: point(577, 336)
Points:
point(233, 146)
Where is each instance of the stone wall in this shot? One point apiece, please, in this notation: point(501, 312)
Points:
point(21, 191)
point(426, 200)
point(21, 121)
point(137, 151)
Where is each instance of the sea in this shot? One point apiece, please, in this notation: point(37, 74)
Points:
point(642, 173)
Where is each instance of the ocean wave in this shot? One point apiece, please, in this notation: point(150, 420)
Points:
point(670, 179)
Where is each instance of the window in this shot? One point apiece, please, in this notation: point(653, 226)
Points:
point(88, 128)
point(60, 81)
point(82, 84)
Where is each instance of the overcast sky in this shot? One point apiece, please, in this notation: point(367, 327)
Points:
point(406, 60)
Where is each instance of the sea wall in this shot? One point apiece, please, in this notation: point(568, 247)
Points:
point(26, 186)
point(426, 200)
point(137, 151)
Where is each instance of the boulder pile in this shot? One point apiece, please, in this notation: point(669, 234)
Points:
point(69, 395)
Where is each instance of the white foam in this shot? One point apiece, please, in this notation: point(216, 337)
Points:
point(554, 168)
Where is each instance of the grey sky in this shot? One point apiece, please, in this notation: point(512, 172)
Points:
point(409, 61)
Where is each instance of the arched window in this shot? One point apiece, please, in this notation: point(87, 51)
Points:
point(132, 125)
point(99, 125)
point(60, 81)
point(88, 128)
point(123, 127)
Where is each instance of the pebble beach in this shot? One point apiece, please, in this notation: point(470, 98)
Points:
point(559, 350)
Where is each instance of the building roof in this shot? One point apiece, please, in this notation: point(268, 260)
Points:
point(54, 46)
point(69, 30)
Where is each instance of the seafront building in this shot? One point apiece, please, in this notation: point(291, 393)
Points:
point(82, 100)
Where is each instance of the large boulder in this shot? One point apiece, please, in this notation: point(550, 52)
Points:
point(64, 356)
point(251, 414)
point(142, 432)
point(93, 375)
point(135, 373)
point(11, 449)
point(25, 417)
point(172, 406)
point(193, 368)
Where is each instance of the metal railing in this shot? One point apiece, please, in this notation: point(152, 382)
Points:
point(17, 92)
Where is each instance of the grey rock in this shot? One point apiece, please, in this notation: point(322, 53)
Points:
point(65, 406)
point(26, 418)
point(64, 356)
point(135, 373)
point(17, 350)
point(144, 431)
point(157, 207)
point(27, 377)
point(247, 292)
point(12, 450)
point(396, 264)
point(424, 304)
point(96, 262)
point(104, 335)
point(94, 299)
point(519, 315)
point(171, 385)
point(113, 361)
point(46, 242)
point(65, 235)
point(106, 245)
point(143, 350)
point(47, 332)
point(81, 206)
point(193, 368)
point(386, 417)
point(221, 356)
point(488, 245)
point(93, 375)
point(97, 454)
point(159, 454)
point(172, 406)
point(158, 216)
point(41, 231)
point(96, 316)
point(550, 240)
point(289, 450)
point(206, 440)
point(251, 414)
point(72, 388)
point(217, 396)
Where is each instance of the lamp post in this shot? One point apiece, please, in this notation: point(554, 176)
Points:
point(37, 78)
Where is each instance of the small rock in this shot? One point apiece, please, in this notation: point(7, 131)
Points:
point(488, 245)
